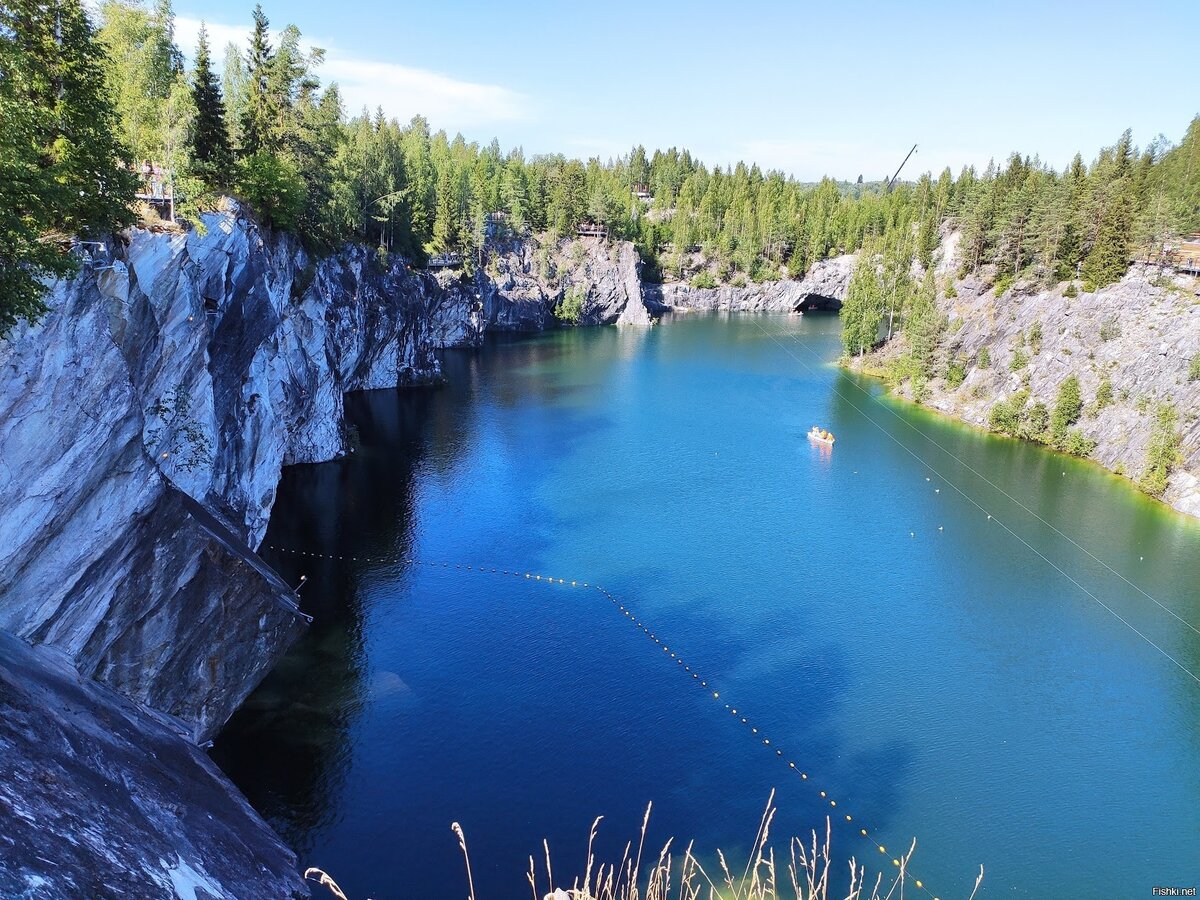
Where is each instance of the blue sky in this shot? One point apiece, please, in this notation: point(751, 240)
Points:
point(810, 88)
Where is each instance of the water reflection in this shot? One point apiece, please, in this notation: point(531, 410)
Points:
point(288, 747)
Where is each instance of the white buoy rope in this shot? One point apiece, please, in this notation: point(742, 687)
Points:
point(701, 681)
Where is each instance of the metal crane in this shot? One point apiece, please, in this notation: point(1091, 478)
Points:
point(892, 181)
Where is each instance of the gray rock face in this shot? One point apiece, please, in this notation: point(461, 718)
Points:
point(1140, 333)
point(825, 281)
point(99, 798)
point(524, 283)
point(101, 554)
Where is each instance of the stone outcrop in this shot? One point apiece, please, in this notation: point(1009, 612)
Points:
point(144, 422)
point(1140, 334)
point(524, 283)
point(99, 798)
point(824, 286)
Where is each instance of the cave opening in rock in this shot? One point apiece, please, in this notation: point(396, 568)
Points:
point(818, 303)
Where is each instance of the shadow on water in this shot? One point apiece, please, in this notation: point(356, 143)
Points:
point(288, 746)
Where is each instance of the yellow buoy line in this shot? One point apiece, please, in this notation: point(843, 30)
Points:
point(701, 681)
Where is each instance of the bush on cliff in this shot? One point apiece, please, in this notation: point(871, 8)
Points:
point(570, 308)
point(1007, 415)
point(1163, 454)
point(1068, 406)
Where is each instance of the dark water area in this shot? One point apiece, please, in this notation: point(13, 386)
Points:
point(1017, 691)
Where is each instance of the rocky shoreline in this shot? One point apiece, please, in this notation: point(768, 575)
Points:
point(1136, 337)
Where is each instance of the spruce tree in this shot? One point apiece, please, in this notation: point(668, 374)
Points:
point(257, 113)
point(924, 325)
point(210, 137)
point(1109, 257)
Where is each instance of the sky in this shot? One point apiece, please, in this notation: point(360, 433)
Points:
point(813, 89)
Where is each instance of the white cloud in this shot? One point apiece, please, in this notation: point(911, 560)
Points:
point(402, 91)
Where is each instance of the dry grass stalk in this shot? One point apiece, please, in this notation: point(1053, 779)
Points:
point(462, 842)
point(686, 879)
point(323, 879)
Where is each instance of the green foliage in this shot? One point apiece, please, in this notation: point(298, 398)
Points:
point(1002, 284)
point(924, 326)
point(1035, 422)
point(411, 191)
point(1077, 443)
point(956, 373)
point(863, 307)
point(1110, 329)
point(920, 388)
point(1194, 368)
point(951, 290)
point(1068, 406)
point(1071, 292)
point(570, 308)
point(1035, 337)
point(173, 435)
point(1104, 393)
point(273, 187)
point(1163, 453)
point(1007, 416)
point(142, 66)
point(61, 171)
point(703, 279)
point(1015, 417)
point(1019, 360)
point(983, 359)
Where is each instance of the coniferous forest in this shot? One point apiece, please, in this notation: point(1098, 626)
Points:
point(87, 98)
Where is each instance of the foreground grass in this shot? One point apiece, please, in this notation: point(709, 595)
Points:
point(804, 872)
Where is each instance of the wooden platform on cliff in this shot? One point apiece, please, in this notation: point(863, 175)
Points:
point(445, 261)
point(590, 229)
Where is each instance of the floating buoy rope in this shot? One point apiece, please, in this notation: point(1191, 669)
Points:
point(704, 682)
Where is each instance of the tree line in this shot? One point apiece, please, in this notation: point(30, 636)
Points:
point(91, 100)
point(1024, 222)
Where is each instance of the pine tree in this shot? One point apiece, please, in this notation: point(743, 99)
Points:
point(62, 171)
point(210, 137)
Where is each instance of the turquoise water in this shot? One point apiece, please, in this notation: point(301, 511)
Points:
point(934, 675)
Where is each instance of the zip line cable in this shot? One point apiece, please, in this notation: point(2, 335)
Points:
point(976, 504)
point(899, 861)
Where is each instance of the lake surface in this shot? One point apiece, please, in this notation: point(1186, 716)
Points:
point(931, 672)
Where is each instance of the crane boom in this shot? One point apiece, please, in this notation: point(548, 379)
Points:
point(892, 181)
